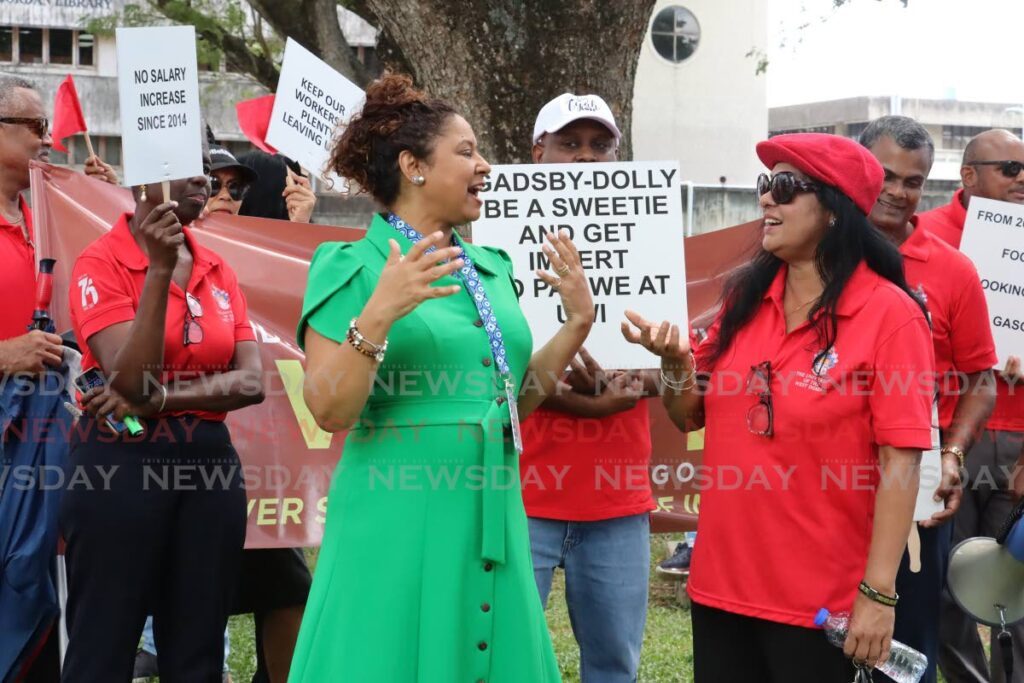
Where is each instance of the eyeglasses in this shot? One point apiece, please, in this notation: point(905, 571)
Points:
point(38, 126)
point(784, 186)
point(236, 189)
point(193, 331)
point(1010, 169)
point(761, 416)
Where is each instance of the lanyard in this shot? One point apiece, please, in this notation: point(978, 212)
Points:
point(475, 288)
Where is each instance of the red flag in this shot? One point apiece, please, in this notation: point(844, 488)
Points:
point(67, 114)
point(254, 119)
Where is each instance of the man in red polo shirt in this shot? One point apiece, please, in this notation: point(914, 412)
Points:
point(964, 357)
point(584, 470)
point(993, 168)
point(24, 136)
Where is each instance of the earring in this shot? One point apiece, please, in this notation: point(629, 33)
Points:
point(142, 193)
point(832, 222)
point(418, 180)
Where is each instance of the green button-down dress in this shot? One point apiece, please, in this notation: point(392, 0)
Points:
point(425, 573)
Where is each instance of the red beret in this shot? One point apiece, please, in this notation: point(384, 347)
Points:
point(830, 159)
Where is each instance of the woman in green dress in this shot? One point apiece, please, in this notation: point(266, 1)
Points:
point(415, 342)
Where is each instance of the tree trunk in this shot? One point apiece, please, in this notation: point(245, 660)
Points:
point(500, 61)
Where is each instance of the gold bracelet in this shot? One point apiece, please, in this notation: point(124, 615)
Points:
point(955, 450)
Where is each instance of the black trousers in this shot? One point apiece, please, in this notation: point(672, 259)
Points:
point(918, 614)
point(157, 527)
point(731, 648)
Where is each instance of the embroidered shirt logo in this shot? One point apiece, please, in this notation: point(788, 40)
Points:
point(825, 361)
point(222, 298)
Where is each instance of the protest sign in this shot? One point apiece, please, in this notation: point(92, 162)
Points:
point(312, 100)
point(994, 240)
point(161, 131)
point(625, 219)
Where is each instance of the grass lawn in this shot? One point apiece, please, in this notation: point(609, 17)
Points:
point(667, 654)
point(666, 658)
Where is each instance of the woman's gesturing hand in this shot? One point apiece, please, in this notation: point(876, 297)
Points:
point(569, 280)
point(664, 340)
point(407, 281)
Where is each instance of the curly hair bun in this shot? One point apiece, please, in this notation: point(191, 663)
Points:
point(395, 117)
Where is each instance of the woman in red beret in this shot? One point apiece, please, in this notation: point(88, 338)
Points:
point(814, 385)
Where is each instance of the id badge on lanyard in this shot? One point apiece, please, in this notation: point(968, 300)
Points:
point(513, 414)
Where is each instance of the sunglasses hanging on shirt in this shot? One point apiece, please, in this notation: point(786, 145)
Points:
point(193, 333)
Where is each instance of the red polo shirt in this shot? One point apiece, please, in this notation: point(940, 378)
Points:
point(788, 518)
point(947, 222)
point(960, 329)
point(17, 276)
point(106, 285)
point(583, 469)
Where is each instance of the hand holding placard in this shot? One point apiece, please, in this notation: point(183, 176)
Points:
point(161, 233)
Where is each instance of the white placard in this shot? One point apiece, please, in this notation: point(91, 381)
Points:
point(157, 81)
point(994, 240)
point(626, 219)
point(312, 100)
point(930, 475)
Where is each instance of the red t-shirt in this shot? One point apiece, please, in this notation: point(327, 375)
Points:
point(584, 470)
point(106, 285)
point(947, 223)
point(952, 292)
point(786, 520)
point(17, 276)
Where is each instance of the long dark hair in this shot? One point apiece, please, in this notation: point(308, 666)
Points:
point(851, 240)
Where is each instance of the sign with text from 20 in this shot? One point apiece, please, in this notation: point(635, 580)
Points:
point(994, 240)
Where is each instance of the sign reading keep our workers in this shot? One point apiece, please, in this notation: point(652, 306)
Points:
point(994, 240)
point(312, 101)
point(626, 221)
point(158, 85)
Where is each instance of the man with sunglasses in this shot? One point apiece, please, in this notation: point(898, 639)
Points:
point(993, 168)
point(964, 357)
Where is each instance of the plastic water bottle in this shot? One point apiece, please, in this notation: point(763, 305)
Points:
point(904, 665)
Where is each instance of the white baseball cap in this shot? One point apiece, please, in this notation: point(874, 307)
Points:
point(566, 108)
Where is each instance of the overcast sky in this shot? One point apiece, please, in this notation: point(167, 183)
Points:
point(964, 49)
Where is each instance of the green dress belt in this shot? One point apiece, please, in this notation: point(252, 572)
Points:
point(491, 417)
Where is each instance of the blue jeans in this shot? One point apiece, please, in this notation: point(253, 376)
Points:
point(607, 567)
point(149, 643)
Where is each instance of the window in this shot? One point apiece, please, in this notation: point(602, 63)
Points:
point(831, 130)
point(957, 137)
point(111, 151)
point(6, 44)
point(30, 45)
point(675, 33)
point(86, 43)
point(61, 46)
point(853, 130)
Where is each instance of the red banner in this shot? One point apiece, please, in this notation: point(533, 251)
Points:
point(288, 461)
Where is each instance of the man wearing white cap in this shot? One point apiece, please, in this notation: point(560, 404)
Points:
point(598, 532)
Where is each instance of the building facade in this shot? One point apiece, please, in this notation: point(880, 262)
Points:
point(697, 96)
point(951, 124)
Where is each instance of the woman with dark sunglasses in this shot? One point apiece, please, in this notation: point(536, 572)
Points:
point(815, 391)
point(229, 182)
point(164, 321)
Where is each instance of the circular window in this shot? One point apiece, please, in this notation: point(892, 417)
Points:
point(675, 33)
